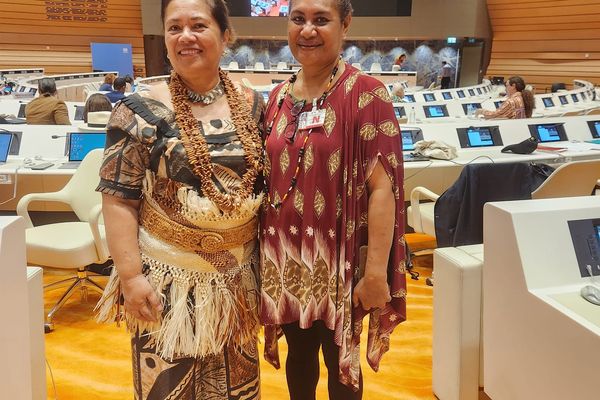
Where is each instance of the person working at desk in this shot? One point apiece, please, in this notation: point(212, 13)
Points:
point(519, 104)
point(96, 102)
point(108, 83)
point(118, 93)
point(47, 109)
point(334, 158)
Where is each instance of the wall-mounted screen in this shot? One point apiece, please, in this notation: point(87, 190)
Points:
point(429, 96)
point(481, 136)
point(575, 98)
point(409, 98)
point(548, 132)
point(460, 94)
point(399, 111)
point(470, 108)
point(447, 95)
point(410, 137)
point(280, 8)
point(435, 111)
point(471, 92)
point(594, 128)
point(563, 100)
point(548, 102)
point(497, 104)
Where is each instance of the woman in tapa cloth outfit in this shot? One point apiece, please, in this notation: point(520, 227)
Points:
point(335, 183)
point(180, 201)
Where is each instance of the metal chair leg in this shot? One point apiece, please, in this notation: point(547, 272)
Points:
point(63, 299)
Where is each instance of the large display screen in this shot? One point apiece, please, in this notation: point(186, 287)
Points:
point(280, 8)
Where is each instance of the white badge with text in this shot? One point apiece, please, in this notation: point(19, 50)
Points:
point(312, 119)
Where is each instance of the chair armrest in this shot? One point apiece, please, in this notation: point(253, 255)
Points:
point(23, 204)
point(101, 246)
point(416, 195)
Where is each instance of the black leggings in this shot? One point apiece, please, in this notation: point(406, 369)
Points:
point(302, 365)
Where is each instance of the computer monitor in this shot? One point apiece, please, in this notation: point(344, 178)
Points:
point(21, 113)
point(5, 139)
point(33, 90)
point(563, 100)
point(399, 111)
point(575, 98)
point(594, 128)
point(548, 132)
point(429, 96)
point(548, 102)
point(498, 104)
point(410, 137)
point(479, 91)
point(471, 92)
point(409, 98)
point(81, 143)
point(22, 88)
point(583, 97)
point(79, 113)
point(470, 108)
point(15, 144)
point(438, 111)
point(480, 136)
point(265, 94)
point(461, 94)
point(447, 95)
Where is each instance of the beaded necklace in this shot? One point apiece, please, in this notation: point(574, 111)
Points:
point(197, 150)
point(302, 151)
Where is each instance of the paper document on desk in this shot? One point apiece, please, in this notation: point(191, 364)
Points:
point(570, 146)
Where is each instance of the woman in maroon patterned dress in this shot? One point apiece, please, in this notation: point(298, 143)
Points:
point(335, 184)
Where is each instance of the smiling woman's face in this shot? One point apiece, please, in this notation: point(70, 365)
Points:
point(315, 31)
point(193, 37)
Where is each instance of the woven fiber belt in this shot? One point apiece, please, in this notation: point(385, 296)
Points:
point(196, 239)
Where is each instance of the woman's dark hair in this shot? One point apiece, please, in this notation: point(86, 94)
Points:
point(344, 8)
point(219, 12)
point(47, 86)
point(528, 98)
point(96, 102)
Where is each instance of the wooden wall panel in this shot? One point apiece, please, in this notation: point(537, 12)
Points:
point(56, 35)
point(545, 41)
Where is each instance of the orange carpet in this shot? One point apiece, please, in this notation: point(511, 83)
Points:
point(92, 362)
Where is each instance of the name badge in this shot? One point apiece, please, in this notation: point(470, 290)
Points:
point(311, 119)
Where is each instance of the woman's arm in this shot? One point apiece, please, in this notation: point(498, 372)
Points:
point(372, 291)
point(121, 223)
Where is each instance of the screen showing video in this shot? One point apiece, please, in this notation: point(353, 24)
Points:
point(409, 98)
point(548, 102)
point(447, 95)
point(273, 8)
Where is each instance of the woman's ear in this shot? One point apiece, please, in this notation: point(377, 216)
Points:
point(346, 24)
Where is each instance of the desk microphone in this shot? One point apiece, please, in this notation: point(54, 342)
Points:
point(57, 136)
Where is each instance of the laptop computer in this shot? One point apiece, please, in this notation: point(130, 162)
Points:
point(5, 139)
point(79, 113)
point(80, 144)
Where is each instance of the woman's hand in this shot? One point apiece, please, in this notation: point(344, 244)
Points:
point(141, 299)
point(371, 292)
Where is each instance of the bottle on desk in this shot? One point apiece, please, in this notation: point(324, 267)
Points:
point(412, 116)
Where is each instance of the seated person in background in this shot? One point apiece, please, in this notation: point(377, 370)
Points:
point(118, 93)
point(108, 83)
point(519, 104)
point(96, 102)
point(47, 109)
point(129, 84)
point(397, 92)
point(400, 60)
